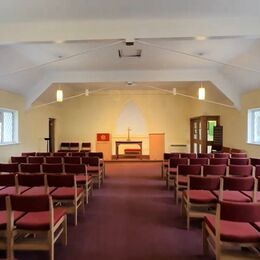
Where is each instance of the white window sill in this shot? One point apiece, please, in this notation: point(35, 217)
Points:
point(8, 144)
point(253, 143)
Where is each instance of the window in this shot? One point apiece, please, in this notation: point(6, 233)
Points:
point(8, 126)
point(253, 128)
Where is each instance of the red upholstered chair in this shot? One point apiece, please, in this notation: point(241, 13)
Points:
point(53, 159)
point(255, 161)
point(85, 160)
point(19, 159)
point(36, 183)
point(198, 200)
point(181, 182)
point(3, 223)
point(222, 155)
point(172, 170)
point(257, 171)
point(64, 146)
point(200, 161)
point(217, 170)
point(30, 167)
point(240, 170)
point(95, 170)
point(205, 155)
point(219, 161)
point(8, 184)
point(239, 161)
point(238, 155)
point(9, 167)
point(52, 168)
point(36, 159)
point(72, 159)
point(188, 155)
point(164, 167)
point(231, 228)
point(82, 178)
point(67, 194)
point(28, 154)
point(44, 154)
point(60, 154)
point(41, 220)
point(74, 147)
point(233, 189)
point(101, 161)
point(175, 155)
point(78, 154)
point(86, 147)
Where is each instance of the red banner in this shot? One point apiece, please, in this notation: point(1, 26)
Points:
point(103, 137)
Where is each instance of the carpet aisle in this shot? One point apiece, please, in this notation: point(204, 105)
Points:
point(132, 216)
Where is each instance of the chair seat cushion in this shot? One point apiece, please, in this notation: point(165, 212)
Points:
point(39, 220)
point(200, 196)
point(65, 193)
point(3, 217)
point(230, 231)
point(81, 179)
point(93, 169)
point(182, 180)
point(172, 171)
point(37, 190)
point(12, 190)
point(233, 196)
point(250, 195)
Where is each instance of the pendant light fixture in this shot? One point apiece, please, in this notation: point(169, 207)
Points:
point(59, 95)
point(201, 92)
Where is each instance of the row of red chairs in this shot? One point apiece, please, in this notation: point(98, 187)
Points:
point(167, 156)
point(179, 177)
point(55, 159)
point(95, 170)
point(62, 154)
point(43, 202)
point(74, 146)
point(172, 163)
point(201, 193)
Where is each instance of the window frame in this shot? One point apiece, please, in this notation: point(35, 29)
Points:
point(251, 126)
point(15, 126)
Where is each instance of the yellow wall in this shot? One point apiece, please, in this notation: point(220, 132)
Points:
point(33, 126)
point(81, 118)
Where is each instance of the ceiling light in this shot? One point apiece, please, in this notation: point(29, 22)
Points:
point(202, 93)
point(201, 38)
point(129, 53)
point(59, 95)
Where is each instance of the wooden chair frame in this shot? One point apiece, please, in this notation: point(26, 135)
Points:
point(42, 240)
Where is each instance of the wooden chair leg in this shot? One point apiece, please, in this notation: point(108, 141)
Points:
point(205, 239)
point(51, 245)
point(65, 231)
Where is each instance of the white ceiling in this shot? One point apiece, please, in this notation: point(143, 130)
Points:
point(46, 43)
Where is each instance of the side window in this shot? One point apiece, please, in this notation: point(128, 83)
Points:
point(8, 126)
point(253, 126)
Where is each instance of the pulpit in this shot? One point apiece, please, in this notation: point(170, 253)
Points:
point(104, 145)
point(156, 146)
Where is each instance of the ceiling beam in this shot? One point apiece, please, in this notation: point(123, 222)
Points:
point(52, 31)
point(134, 75)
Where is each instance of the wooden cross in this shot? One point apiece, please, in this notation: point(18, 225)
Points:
point(128, 133)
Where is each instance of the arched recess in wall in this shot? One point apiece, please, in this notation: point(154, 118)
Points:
point(131, 117)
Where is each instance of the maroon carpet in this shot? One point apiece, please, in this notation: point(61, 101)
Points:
point(132, 216)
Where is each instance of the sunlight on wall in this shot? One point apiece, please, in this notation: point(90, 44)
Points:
point(130, 117)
